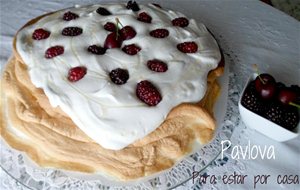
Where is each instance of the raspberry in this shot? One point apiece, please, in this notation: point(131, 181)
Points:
point(251, 99)
point(103, 11)
point(157, 65)
point(148, 93)
point(159, 33)
point(181, 22)
point(54, 51)
point(109, 26)
point(188, 47)
point(40, 34)
point(71, 31)
point(70, 16)
point(133, 6)
point(131, 49)
point(119, 76)
point(76, 73)
point(98, 50)
point(144, 17)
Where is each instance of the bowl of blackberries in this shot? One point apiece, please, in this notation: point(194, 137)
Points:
point(271, 107)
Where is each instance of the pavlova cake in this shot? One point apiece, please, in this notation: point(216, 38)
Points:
point(125, 90)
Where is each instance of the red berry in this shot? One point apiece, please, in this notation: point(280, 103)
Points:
point(76, 73)
point(148, 93)
point(40, 34)
point(287, 95)
point(262, 80)
point(133, 6)
point(113, 40)
point(54, 51)
point(127, 33)
point(181, 22)
point(188, 47)
point(159, 33)
point(144, 17)
point(103, 11)
point(119, 76)
point(98, 50)
point(109, 26)
point(131, 49)
point(70, 16)
point(267, 91)
point(157, 65)
point(71, 31)
point(265, 85)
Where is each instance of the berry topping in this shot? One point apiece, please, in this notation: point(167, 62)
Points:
point(251, 99)
point(119, 76)
point(148, 93)
point(188, 47)
point(133, 6)
point(286, 117)
point(40, 34)
point(103, 11)
point(131, 49)
point(144, 17)
point(127, 32)
point(159, 33)
point(109, 26)
point(70, 16)
point(181, 22)
point(287, 96)
point(76, 73)
point(157, 65)
point(113, 40)
point(265, 85)
point(71, 31)
point(54, 51)
point(98, 50)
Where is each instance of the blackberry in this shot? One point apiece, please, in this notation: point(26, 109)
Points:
point(119, 76)
point(251, 99)
point(70, 16)
point(103, 11)
point(148, 93)
point(290, 118)
point(98, 50)
point(131, 49)
point(40, 34)
point(157, 65)
point(181, 22)
point(144, 17)
point(285, 116)
point(133, 6)
point(159, 33)
point(71, 31)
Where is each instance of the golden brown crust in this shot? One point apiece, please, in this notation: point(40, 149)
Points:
point(54, 140)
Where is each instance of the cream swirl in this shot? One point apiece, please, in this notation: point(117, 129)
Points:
point(111, 114)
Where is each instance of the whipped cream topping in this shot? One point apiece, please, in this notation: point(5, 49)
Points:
point(112, 114)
